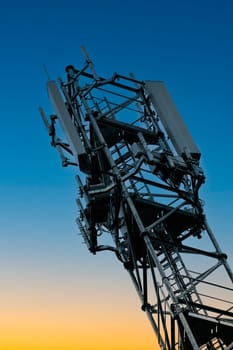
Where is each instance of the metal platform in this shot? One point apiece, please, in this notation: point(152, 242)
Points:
point(139, 180)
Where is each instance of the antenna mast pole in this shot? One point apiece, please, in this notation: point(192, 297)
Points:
point(139, 177)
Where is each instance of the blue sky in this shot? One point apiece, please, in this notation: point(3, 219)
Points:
point(187, 44)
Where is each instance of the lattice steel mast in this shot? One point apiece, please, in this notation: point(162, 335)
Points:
point(139, 177)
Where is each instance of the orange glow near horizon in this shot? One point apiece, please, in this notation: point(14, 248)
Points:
point(35, 330)
point(54, 315)
point(83, 306)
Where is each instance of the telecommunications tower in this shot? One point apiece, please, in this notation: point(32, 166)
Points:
point(138, 175)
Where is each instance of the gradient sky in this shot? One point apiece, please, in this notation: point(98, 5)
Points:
point(54, 294)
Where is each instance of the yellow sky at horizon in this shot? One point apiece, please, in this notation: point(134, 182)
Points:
point(40, 313)
point(36, 332)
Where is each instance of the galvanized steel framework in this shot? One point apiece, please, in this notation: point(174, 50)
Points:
point(138, 178)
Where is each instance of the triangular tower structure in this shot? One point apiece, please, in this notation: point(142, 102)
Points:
point(139, 175)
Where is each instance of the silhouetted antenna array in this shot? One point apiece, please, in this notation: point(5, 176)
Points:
point(138, 178)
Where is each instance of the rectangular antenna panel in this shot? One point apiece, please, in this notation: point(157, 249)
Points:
point(171, 119)
point(65, 120)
